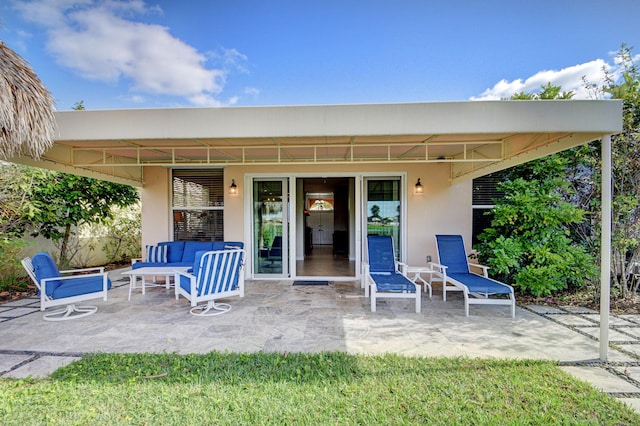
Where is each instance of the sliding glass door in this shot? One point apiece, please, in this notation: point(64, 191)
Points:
point(270, 227)
point(384, 208)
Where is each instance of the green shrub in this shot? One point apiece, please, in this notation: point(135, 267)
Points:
point(12, 275)
point(528, 244)
point(124, 234)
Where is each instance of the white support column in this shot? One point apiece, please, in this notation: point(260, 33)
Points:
point(605, 247)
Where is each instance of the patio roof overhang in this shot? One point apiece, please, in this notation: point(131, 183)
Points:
point(476, 138)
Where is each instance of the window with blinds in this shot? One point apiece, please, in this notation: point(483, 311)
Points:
point(485, 191)
point(198, 205)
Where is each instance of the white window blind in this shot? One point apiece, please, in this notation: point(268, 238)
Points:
point(198, 205)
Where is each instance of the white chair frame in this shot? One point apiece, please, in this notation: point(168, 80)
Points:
point(371, 289)
point(211, 307)
point(449, 284)
point(71, 310)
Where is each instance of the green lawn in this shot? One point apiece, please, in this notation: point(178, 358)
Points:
point(327, 388)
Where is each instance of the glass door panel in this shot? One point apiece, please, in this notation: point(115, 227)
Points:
point(270, 227)
point(383, 208)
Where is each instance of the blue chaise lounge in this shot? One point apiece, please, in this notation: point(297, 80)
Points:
point(454, 269)
point(382, 276)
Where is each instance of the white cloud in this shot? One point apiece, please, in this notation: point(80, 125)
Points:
point(252, 91)
point(99, 40)
point(570, 79)
point(230, 59)
point(136, 99)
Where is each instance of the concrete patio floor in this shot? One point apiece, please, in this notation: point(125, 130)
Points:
point(276, 316)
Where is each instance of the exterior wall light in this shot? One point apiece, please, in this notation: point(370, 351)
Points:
point(233, 189)
point(419, 189)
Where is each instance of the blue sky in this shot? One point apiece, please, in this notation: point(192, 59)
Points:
point(170, 53)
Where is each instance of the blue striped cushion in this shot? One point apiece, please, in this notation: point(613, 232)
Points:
point(157, 254)
point(218, 271)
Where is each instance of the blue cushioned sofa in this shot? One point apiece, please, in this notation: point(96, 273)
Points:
point(183, 253)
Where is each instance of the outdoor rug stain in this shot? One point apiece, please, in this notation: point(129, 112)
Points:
point(302, 282)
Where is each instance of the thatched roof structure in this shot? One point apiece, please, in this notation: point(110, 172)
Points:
point(27, 123)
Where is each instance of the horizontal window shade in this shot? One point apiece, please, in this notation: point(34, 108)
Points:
point(198, 225)
point(485, 189)
point(198, 188)
point(198, 205)
point(481, 221)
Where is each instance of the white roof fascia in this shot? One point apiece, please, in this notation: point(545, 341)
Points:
point(473, 117)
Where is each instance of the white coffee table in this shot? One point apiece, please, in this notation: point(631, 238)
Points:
point(418, 272)
point(152, 271)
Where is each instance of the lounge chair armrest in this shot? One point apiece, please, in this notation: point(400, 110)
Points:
point(439, 270)
point(365, 277)
point(485, 269)
point(436, 266)
point(43, 282)
point(95, 268)
point(184, 274)
point(136, 260)
point(72, 277)
point(187, 275)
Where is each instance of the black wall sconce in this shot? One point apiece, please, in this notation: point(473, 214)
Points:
point(233, 189)
point(418, 189)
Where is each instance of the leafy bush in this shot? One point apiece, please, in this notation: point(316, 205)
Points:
point(124, 234)
point(528, 244)
point(11, 272)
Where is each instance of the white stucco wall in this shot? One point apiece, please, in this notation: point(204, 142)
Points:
point(443, 208)
point(83, 256)
point(156, 206)
point(234, 207)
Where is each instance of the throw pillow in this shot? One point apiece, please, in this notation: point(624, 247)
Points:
point(157, 254)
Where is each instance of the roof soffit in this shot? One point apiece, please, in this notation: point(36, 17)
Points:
point(476, 137)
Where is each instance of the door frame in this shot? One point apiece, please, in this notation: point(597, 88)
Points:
point(359, 216)
point(286, 226)
point(404, 201)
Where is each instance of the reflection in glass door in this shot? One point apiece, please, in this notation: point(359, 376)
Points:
point(270, 227)
point(383, 208)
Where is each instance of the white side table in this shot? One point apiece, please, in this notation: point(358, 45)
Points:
point(419, 274)
point(166, 271)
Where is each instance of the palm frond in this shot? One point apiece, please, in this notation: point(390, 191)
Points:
point(27, 124)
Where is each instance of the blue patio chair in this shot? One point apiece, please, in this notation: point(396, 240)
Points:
point(216, 275)
point(383, 276)
point(56, 289)
point(454, 269)
point(275, 251)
